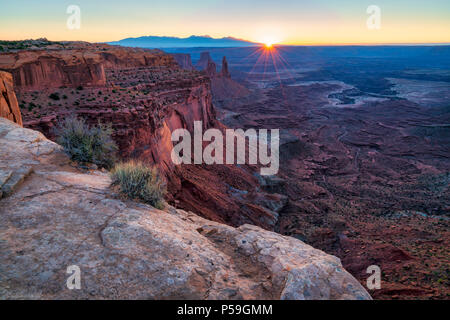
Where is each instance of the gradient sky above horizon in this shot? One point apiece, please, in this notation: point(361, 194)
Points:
point(282, 21)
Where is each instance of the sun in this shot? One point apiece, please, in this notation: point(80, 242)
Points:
point(268, 41)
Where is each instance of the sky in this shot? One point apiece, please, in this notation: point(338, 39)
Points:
point(296, 22)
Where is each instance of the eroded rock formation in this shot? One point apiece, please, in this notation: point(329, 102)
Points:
point(9, 107)
point(205, 63)
point(224, 72)
point(183, 60)
point(224, 88)
point(211, 69)
point(59, 217)
point(205, 59)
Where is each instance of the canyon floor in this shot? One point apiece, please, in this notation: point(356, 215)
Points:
point(364, 159)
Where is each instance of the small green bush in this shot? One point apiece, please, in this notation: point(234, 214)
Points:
point(139, 181)
point(54, 96)
point(87, 144)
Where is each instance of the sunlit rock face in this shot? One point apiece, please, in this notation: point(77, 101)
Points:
point(55, 217)
point(75, 64)
point(9, 107)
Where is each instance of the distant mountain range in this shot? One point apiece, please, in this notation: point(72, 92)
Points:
point(174, 42)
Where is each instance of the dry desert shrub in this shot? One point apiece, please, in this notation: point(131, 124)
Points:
point(136, 180)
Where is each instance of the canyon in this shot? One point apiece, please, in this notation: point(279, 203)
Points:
point(55, 215)
point(364, 158)
point(364, 152)
point(363, 170)
point(144, 95)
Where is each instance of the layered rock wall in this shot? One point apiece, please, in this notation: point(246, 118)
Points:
point(79, 65)
point(145, 131)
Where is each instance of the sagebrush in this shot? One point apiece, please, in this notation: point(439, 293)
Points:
point(139, 181)
point(87, 144)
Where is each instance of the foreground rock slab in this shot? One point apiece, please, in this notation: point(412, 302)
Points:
point(58, 217)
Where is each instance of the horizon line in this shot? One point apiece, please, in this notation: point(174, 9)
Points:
point(310, 44)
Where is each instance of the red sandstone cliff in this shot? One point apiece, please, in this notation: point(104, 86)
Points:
point(145, 129)
point(80, 64)
point(142, 93)
point(9, 108)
